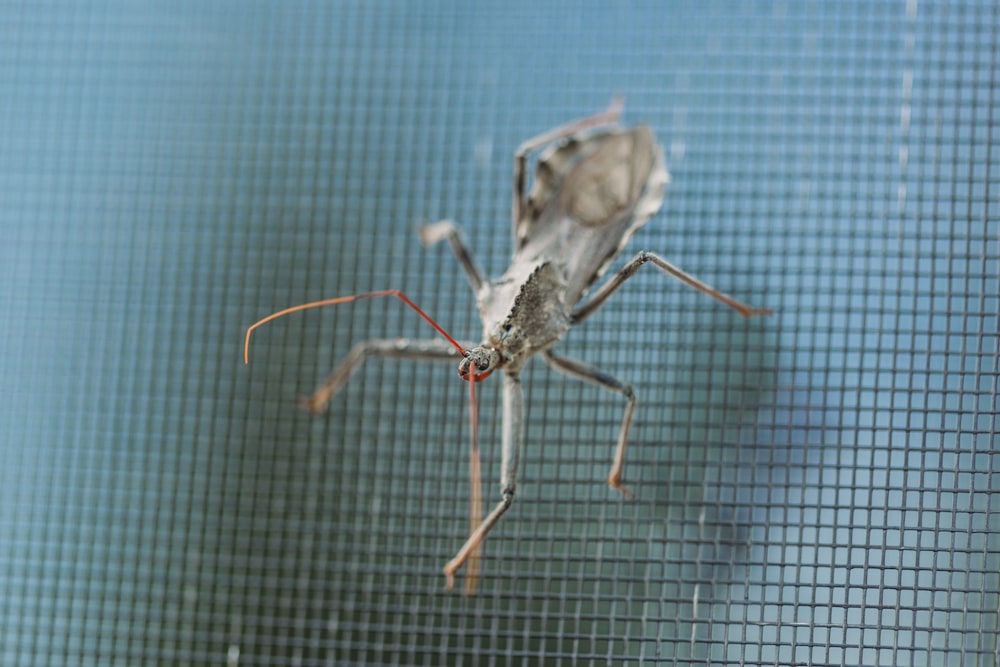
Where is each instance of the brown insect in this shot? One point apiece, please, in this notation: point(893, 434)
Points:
point(594, 187)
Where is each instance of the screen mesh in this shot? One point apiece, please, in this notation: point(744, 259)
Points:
point(815, 487)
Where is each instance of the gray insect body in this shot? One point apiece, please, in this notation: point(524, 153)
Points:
point(523, 313)
point(594, 188)
point(591, 194)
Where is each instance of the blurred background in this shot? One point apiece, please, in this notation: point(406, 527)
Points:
point(815, 487)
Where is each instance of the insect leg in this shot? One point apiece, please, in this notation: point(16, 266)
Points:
point(512, 435)
point(393, 348)
point(609, 116)
point(446, 229)
point(611, 286)
point(587, 373)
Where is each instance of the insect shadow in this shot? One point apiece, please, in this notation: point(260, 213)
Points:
point(595, 185)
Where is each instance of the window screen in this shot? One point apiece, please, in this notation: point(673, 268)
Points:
point(817, 487)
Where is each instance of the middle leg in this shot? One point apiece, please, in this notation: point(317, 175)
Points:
point(587, 373)
point(642, 257)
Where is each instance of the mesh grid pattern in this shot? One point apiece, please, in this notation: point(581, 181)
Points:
point(817, 487)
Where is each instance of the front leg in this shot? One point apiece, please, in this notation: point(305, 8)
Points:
point(512, 435)
point(393, 348)
point(607, 289)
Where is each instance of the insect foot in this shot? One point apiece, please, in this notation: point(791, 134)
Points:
point(313, 404)
point(615, 482)
point(476, 538)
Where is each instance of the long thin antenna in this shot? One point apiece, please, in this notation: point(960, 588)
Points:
point(347, 299)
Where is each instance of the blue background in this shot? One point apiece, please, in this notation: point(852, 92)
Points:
point(817, 487)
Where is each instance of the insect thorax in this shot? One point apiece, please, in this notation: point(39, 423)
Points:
point(524, 312)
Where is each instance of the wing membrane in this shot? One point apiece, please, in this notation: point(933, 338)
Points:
point(590, 194)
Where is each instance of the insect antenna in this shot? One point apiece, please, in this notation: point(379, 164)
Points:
point(475, 477)
point(348, 299)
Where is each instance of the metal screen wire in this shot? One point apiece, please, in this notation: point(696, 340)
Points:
point(814, 487)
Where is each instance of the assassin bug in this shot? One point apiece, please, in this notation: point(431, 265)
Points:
point(594, 187)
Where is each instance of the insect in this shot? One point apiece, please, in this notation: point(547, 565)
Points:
point(595, 185)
